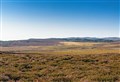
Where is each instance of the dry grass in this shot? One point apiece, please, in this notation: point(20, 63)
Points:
point(80, 43)
point(84, 52)
point(62, 63)
point(53, 68)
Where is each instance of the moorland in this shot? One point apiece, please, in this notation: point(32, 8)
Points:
point(60, 60)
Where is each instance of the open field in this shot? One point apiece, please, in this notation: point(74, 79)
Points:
point(65, 62)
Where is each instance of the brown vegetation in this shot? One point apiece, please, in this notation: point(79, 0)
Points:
point(76, 63)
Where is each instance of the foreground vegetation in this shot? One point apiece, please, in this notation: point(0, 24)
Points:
point(66, 64)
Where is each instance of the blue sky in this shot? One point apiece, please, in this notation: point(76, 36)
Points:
point(23, 19)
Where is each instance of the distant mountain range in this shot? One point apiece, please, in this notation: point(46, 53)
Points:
point(56, 41)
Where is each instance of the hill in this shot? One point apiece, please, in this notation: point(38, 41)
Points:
point(55, 41)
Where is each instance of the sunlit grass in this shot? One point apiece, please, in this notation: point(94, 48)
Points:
point(61, 64)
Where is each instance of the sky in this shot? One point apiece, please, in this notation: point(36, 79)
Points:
point(24, 19)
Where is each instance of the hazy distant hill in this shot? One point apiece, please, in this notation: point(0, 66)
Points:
point(29, 42)
point(93, 39)
point(55, 41)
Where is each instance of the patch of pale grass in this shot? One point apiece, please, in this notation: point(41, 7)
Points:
point(84, 52)
point(80, 43)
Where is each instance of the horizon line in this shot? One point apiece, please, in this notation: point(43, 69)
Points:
point(60, 38)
